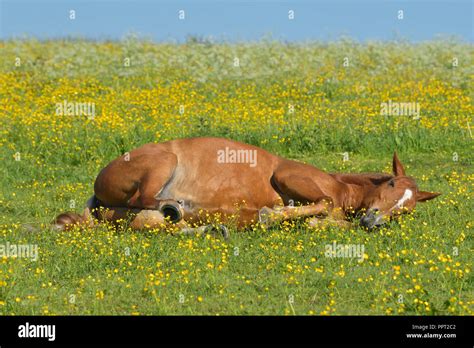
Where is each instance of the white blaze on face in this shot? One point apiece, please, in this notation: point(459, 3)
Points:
point(406, 196)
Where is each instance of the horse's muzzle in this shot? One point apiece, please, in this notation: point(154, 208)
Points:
point(372, 219)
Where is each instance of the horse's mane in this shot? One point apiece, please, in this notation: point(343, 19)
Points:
point(362, 178)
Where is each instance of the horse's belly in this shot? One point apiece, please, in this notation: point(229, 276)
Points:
point(223, 191)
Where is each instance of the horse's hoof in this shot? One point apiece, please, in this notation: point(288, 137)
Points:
point(218, 230)
point(172, 210)
point(264, 215)
point(224, 231)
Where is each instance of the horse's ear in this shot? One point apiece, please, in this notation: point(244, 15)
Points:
point(423, 196)
point(398, 169)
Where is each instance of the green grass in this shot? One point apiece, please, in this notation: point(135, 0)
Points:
point(426, 257)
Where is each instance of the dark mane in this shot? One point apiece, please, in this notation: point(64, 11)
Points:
point(362, 178)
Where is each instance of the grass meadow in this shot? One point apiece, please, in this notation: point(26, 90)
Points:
point(312, 102)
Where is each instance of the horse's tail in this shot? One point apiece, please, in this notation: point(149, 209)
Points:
point(68, 220)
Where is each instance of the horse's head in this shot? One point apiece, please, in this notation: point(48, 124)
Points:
point(393, 197)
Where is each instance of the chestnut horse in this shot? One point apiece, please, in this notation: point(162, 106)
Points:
point(183, 181)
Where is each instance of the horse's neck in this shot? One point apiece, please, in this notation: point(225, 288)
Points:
point(363, 179)
point(359, 187)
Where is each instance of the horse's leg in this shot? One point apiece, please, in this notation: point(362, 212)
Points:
point(139, 218)
point(213, 230)
point(329, 221)
point(303, 189)
point(277, 214)
point(146, 219)
point(135, 181)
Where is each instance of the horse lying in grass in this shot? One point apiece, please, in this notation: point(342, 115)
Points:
point(182, 181)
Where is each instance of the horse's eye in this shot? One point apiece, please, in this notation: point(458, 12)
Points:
point(391, 183)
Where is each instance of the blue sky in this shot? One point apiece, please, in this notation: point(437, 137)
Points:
point(238, 20)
